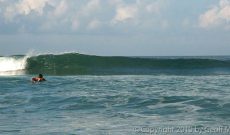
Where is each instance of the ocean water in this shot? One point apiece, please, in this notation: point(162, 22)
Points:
point(179, 100)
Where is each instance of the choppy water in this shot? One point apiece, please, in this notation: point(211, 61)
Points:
point(117, 105)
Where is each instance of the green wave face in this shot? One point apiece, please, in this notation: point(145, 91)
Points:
point(79, 64)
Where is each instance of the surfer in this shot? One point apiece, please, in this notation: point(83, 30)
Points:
point(40, 78)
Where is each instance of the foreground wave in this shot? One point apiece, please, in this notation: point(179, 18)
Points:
point(115, 105)
point(80, 64)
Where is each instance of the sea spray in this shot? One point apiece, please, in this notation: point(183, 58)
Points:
point(13, 65)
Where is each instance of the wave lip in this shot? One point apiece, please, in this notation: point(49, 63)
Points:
point(12, 65)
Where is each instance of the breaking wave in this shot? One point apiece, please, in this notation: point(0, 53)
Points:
point(80, 64)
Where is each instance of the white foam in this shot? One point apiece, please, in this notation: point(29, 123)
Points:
point(12, 65)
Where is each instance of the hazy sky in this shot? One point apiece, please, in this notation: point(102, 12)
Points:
point(116, 27)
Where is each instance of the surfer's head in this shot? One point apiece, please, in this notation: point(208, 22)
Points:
point(40, 76)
